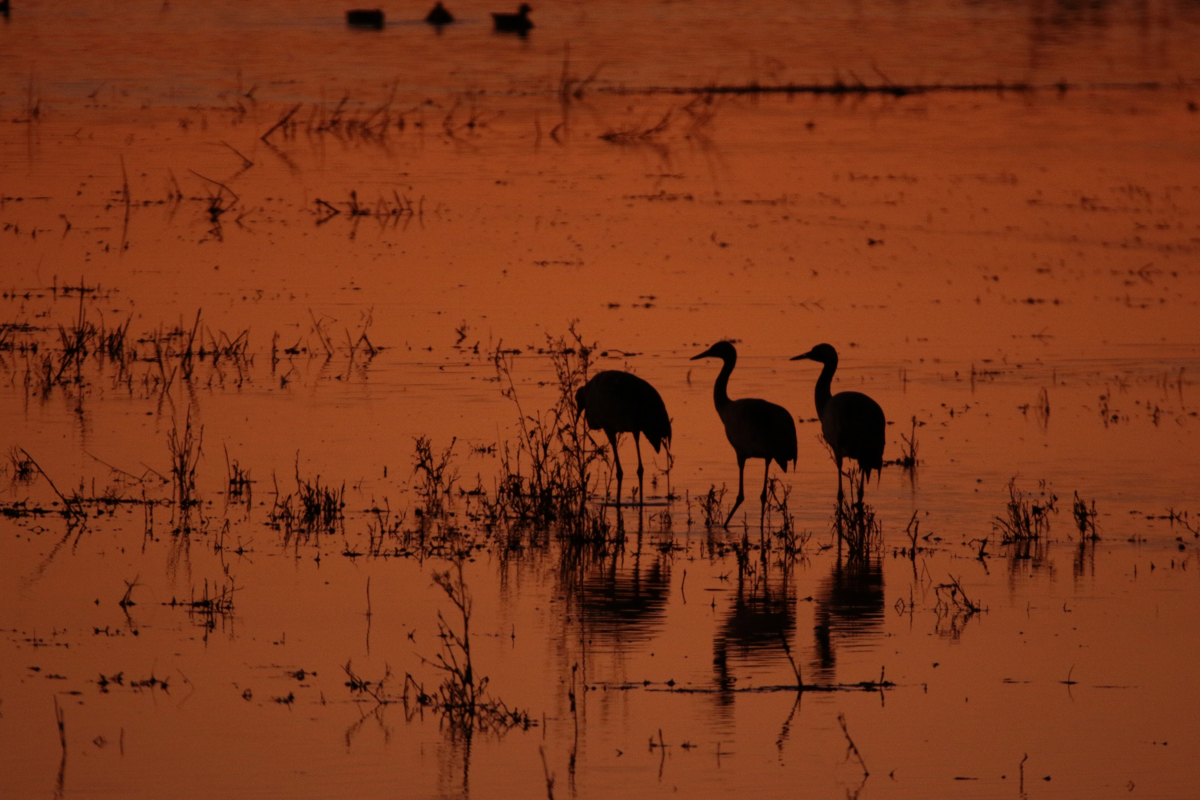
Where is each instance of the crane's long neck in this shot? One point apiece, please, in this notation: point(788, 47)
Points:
point(721, 387)
point(823, 393)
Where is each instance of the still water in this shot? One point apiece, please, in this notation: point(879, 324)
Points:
point(378, 241)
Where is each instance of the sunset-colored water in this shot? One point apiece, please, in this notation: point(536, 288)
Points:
point(249, 253)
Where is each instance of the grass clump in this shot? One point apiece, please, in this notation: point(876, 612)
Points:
point(546, 476)
point(854, 520)
point(1027, 515)
point(711, 504)
point(433, 477)
point(462, 698)
point(185, 448)
point(1085, 518)
point(313, 508)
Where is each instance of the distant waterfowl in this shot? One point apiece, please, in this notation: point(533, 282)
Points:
point(365, 18)
point(439, 15)
point(513, 23)
point(617, 402)
point(755, 428)
point(852, 423)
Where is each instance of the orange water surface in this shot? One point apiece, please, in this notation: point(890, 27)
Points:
point(375, 216)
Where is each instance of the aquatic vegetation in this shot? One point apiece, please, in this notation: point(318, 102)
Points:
point(546, 476)
point(462, 699)
point(21, 465)
point(237, 479)
point(908, 449)
point(186, 448)
point(434, 478)
point(1085, 517)
point(854, 521)
point(313, 508)
point(1027, 516)
point(214, 604)
point(711, 504)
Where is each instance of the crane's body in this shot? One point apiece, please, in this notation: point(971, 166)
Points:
point(755, 428)
point(618, 402)
point(852, 423)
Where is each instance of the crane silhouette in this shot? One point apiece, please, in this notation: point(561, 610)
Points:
point(852, 423)
point(755, 428)
point(617, 402)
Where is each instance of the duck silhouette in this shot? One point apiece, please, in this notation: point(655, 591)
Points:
point(439, 15)
point(365, 18)
point(513, 23)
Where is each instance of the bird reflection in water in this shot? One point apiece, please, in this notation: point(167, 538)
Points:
point(618, 601)
point(755, 627)
point(849, 607)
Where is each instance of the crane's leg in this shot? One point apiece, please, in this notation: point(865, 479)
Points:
point(840, 493)
point(612, 440)
point(741, 489)
point(762, 519)
point(637, 443)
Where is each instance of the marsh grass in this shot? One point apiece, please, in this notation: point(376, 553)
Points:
point(79, 359)
point(433, 477)
point(1027, 515)
point(547, 475)
point(311, 509)
point(712, 506)
point(22, 468)
point(238, 484)
point(214, 604)
point(908, 459)
point(185, 447)
point(384, 526)
point(953, 606)
point(1085, 518)
point(462, 699)
point(854, 521)
point(781, 523)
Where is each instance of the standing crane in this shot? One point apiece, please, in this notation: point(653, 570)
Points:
point(618, 402)
point(852, 423)
point(755, 428)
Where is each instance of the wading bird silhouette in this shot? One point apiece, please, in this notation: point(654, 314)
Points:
point(755, 428)
point(439, 15)
point(365, 18)
point(617, 402)
point(852, 423)
point(513, 23)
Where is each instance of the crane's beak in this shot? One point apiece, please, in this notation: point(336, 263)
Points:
point(706, 354)
point(808, 355)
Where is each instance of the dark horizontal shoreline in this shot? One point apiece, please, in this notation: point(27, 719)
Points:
point(894, 90)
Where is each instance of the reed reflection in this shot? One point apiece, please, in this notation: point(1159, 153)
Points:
point(849, 608)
